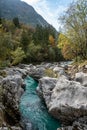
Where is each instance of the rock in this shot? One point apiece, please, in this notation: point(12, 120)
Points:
point(85, 66)
point(1, 78)
point(11, 128)
point(68, 101)
point(45, 87)
point(12, 92)
point(16, 71)
point(59, 70)
point(16, 128)
point(1, 115)
point(82, 78)
point(80, 124)
point(37, 72)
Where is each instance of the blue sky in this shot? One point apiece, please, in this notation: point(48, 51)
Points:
point(50, 9)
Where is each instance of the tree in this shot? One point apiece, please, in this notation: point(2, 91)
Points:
point(16, 22)
point(51, 40)
point(17, 56)
point(24, 41)
point(5, 46)
point(75, 22)
point(33, 53)
point(67, 48)
point(0, 21)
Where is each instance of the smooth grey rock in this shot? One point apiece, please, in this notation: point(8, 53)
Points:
point(82, 78)
point(37, 73)
point(59, 70)
point(85, 66)
point(45, 87)
point(16, 71)
point(68, 101)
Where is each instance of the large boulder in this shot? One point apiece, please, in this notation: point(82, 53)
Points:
point(45, 87)
point(16, 71)
point(59, 70)
point(82, 78)
point(12, 91)
point(66, 100)
point(80, 124)
point(37, 72)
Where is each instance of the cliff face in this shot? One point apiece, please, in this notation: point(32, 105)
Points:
point(26, 13)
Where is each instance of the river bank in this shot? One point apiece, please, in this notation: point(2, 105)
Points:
point(58, 89)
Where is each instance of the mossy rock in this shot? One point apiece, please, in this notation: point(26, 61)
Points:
point(3, 73)
point(51, 73)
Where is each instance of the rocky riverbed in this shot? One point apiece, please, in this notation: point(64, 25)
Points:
point(65, 95)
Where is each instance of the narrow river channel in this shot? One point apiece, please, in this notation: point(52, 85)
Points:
point(34, 111)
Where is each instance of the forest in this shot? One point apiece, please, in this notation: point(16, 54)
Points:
point(23, 43)
point(20, 43)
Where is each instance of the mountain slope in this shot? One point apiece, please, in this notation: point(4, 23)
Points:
point(26, 13)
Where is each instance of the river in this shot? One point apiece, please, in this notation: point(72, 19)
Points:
point(34, 111)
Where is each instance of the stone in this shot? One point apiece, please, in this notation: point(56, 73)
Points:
point(11, 128)
point(82, 78)
point(80, 124)
point(59, 70)
point(45, 87)
point(85, 66)
point(12, 92)
point(16, 71)
point(37, 73)
point(66, 100)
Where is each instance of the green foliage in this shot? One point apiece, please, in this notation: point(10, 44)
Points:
point(5, 46)
point(24, 40)
point(33, 52)
point(17, 56)
point(41, 35)
point(51, 53)
point(75, 23)
point(27, 44)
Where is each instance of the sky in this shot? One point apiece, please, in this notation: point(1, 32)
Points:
point(50, 10)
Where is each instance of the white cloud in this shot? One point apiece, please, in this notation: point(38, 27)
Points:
point(31, 2)
point(51, 15)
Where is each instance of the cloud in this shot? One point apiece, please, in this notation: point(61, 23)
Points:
point(31, 2)
point(49, 10)
point(49, 13)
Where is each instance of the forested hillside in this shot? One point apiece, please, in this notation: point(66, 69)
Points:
point(26, 13)
point(23, 43)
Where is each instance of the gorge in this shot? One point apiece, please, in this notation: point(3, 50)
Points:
point(63, 96)
point(33, 109)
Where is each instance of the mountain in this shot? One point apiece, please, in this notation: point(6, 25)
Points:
point(26, 13)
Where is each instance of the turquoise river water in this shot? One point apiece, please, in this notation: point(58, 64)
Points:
point(34, 111)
